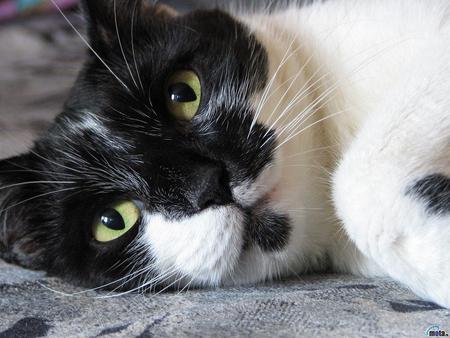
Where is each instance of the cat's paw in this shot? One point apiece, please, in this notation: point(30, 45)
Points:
point(404, 228)
point(427, 253)
point(427, 246)
point(418, 257)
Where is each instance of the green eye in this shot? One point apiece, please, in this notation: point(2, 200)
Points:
point(183, 95)
point(115, 221)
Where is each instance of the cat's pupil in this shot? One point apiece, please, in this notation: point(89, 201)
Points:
point(181, 92)
point(112, 220)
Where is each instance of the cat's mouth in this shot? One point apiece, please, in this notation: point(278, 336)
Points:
point(264, 188)
point(254, 199)
point(270, 195)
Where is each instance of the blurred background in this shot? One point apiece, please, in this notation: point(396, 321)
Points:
point(39, 58)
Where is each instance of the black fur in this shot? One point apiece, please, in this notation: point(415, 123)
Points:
point(434, 190)
point(268, 229)
point(141, 152)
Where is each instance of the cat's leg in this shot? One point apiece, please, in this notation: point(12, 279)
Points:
point(392, 188)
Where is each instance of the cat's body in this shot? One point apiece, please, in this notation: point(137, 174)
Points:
point(321, 140)
point(380, 70)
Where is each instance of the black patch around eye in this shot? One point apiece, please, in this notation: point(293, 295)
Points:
point(181, 92)
point(112, 220)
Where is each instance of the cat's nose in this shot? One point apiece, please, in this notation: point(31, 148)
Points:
point(212, 188)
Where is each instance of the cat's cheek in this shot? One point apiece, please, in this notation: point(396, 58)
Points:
point(200, 250)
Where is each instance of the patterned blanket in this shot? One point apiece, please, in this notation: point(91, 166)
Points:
point(315, 306)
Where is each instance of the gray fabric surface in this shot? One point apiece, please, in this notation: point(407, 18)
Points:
point(37, 65)
point(322, 305)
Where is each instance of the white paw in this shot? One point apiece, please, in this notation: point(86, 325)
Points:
point(404, 228)
point(421, 259)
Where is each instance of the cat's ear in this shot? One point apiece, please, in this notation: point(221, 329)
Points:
point(17, 243)
point(108, 17)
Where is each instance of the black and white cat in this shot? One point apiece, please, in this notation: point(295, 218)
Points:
point(212, 149)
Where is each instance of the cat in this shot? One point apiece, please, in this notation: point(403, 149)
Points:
point(220, 148)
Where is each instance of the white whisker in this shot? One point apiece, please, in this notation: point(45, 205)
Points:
point(35, 183)
point(133, 15)
point(120, 44)
point(262, 102)
point(35, 197)
point(310, 126)
point(89, 45)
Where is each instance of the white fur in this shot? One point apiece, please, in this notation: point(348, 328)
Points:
point(91, 122)
point(203, 249)
point(384, 123)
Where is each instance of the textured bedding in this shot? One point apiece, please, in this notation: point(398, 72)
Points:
point(323, 305)
point(38, 62)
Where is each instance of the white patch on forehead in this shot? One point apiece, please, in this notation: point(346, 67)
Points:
point(202, 249)
point(89, 121)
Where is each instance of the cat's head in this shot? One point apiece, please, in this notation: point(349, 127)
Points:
point(157, 172)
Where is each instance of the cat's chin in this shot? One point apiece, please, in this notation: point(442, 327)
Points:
point(199, 250)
